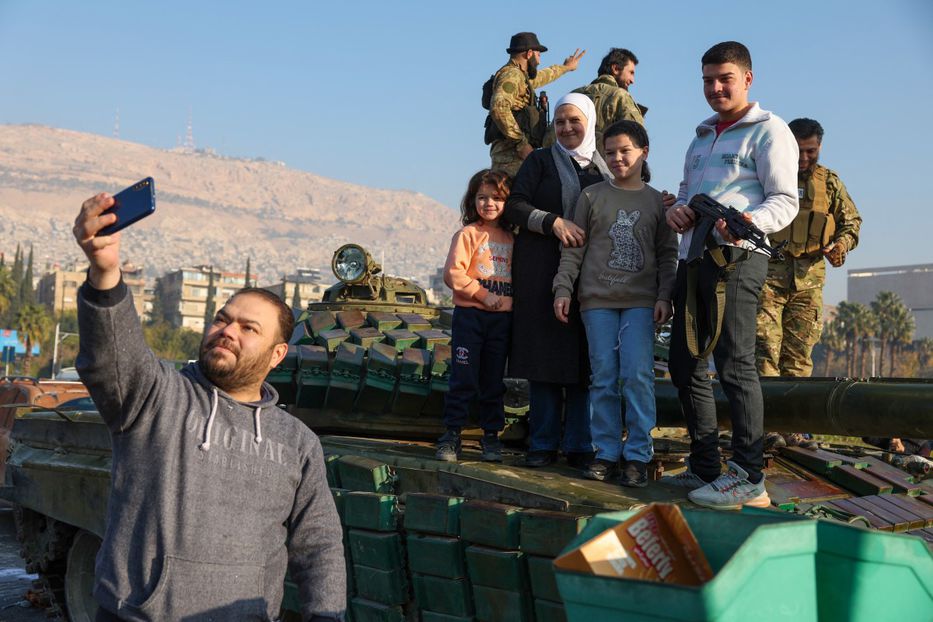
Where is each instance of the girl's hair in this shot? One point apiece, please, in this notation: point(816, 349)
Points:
point(635, 131)
point(497, 179)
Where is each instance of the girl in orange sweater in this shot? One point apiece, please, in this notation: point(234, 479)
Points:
point(479, 271)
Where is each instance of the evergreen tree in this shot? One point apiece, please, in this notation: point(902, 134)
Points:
point(296, 299)
point(160, 312)
point(16, 274)
point(27, 294)
point(7, 296)
point(210, 306)
point(246, 281)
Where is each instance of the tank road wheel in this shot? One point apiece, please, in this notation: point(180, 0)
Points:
point(43, 541)
point(44, 547)
point(79, 578)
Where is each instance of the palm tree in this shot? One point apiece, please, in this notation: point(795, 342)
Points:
point(847, 317)
point(833, 339)
point(924, 348)
point(885, 306)
point(33, 324)
point(867, 327)
point(902, 330)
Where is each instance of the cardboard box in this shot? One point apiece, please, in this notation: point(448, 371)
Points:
point(655, 544)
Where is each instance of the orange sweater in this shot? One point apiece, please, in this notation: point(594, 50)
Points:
point(480, 262)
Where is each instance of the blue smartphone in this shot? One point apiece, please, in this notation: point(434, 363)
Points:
point(131, 205)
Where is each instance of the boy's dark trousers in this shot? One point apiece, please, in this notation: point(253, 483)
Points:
point(479, 349)
point(734, 356)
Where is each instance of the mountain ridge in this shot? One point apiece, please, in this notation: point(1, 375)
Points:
point(211, 209)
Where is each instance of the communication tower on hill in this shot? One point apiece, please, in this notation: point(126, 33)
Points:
point(189, 134)
point(116, 124)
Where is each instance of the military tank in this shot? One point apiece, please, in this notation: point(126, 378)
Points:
point(367, 369)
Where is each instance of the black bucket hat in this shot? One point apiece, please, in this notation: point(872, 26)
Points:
point(524, 41)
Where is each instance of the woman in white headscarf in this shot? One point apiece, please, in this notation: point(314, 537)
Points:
point(552, 355)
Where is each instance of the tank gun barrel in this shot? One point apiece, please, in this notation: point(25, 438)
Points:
point(887, 407)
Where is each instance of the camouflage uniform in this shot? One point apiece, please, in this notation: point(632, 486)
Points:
point(613, 103)
point(791, 304)
point(513, 91)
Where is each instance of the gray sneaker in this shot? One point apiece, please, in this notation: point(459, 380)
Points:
point(688, 479)
point(731, 491)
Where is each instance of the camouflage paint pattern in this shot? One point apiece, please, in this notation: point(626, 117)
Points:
point(613, 103)
point(511, 93)
point(791, 303)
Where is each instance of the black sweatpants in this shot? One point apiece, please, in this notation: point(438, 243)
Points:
point(479, 348)
point(734, 356)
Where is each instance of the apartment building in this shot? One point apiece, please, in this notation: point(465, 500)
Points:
point(310, 286)
point(58, 287)
point(184, 293)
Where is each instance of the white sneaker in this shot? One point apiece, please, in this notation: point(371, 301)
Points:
point(687, 479)
point(731, 491)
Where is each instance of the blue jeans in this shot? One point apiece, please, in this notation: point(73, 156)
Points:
point(622, 357)
point(547, 402)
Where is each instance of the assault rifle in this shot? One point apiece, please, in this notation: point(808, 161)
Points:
point(708, 211)
point(544, 107)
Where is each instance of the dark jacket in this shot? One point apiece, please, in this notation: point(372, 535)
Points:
point(543, 349)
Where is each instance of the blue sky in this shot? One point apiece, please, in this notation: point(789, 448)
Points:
point(387, 94)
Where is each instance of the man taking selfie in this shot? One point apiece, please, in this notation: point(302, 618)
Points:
point(214, 490)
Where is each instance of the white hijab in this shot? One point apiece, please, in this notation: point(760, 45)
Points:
point(584, 153)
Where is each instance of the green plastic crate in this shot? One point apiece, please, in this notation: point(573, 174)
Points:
point(768, 566)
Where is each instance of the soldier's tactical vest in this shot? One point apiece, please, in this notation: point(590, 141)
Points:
point(814, 226)
point(528, 118)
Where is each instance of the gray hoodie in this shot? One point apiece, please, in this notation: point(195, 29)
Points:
point(210, 498)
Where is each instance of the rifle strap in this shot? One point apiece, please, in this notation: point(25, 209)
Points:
point(715, 308)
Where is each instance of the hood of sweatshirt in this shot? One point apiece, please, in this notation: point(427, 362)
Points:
point(268, 397)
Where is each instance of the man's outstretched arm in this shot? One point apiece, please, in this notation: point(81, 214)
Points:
point(119, 369)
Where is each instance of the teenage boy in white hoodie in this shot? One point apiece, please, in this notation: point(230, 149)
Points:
point(745, 157)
